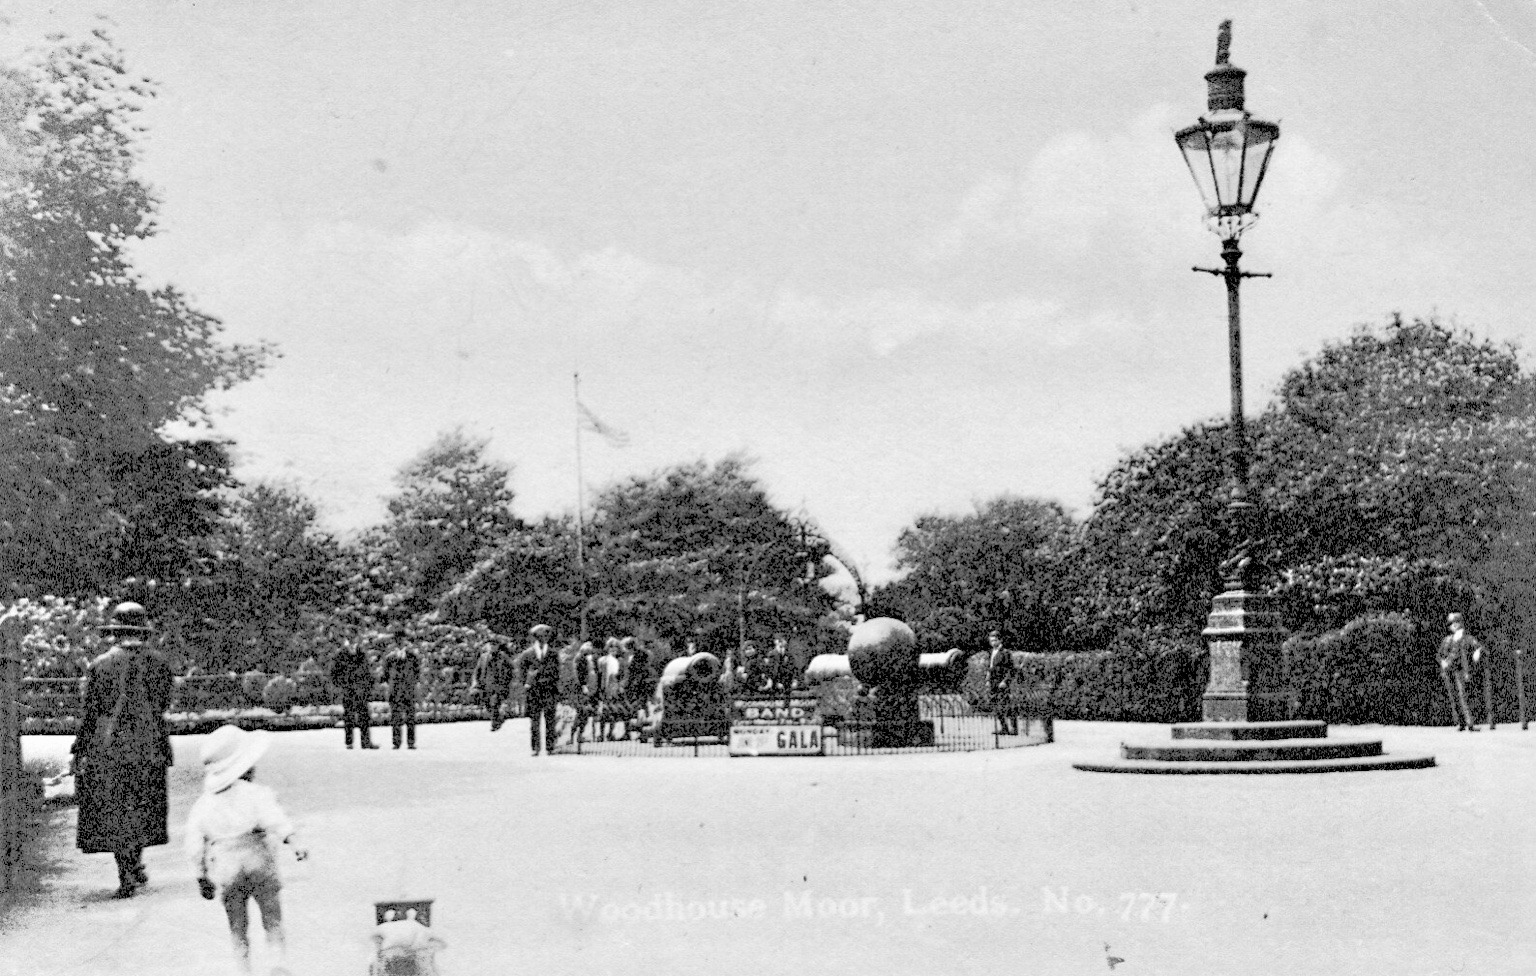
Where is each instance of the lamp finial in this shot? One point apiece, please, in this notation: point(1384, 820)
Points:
point(1223, 42)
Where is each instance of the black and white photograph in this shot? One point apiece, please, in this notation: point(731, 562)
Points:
point(914, 487)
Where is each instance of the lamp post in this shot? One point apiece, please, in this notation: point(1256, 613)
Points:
point(1228, 153)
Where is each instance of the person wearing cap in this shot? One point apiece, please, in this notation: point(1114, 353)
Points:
point(541, 686)
point(1461, 657)
point(233, 830)
point(402, 669)
point(122, 750)
point(352, 676)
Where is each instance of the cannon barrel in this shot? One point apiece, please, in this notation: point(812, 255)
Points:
point(700, 668)
point(825, 667)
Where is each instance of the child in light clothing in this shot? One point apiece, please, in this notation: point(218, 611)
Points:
point(233, 831)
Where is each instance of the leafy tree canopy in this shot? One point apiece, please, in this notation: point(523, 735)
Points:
point(94, 362)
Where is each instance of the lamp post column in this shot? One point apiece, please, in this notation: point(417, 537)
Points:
point(1228, 153)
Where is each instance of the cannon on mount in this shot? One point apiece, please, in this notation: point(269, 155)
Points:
point(939, 671)
point(693, 702)
point(883, 656)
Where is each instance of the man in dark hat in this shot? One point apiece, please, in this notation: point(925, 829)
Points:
point(541, 686)
point(1000, 677)
point(352, 676)
point(1461, 657)
point(122, 750)
point(402, 669)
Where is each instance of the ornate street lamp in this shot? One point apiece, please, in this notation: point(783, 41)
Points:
point(1228, 152)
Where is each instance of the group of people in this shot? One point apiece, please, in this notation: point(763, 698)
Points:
point(612, 688)
point(353, 676)
point(121, 757)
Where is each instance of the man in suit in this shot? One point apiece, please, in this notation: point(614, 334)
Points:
point(541, 686)
point(1000, 675)
point(352, 676)
point(1461, 657)
point(402, 669)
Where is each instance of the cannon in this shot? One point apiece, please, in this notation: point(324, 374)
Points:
point(883, 655)
point(693, 703)
point(825, 667)
point(697, 668)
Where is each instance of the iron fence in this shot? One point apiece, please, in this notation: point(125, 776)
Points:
point(942, 723)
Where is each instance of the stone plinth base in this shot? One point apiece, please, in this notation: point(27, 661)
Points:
point(1255, 747)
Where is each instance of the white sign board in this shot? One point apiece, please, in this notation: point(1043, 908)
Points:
point(776, 740)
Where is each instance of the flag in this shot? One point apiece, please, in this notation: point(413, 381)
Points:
point(589, 422)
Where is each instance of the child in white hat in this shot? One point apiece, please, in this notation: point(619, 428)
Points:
point(232, 835)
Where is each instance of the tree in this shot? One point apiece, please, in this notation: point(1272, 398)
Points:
point(699, 549)
point(1393, 471)
point(451, 506)
point(269, 587)
point(95, 364)
point(999, 566)
point(694, 550)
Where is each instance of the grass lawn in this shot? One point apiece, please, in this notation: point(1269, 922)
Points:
point(1003, 862)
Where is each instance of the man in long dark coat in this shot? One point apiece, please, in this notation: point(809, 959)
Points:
point(1000, 677)
point(352, 676)
point(122, 750)
point(541, 686)
point(402, 669)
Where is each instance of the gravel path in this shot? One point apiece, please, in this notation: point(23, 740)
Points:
point(984, 863)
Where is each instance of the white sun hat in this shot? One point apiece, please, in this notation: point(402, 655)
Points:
point(228, 752)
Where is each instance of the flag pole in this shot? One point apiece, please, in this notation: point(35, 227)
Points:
point(581, 506)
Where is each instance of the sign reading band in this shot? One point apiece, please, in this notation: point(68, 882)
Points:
point(777, 726)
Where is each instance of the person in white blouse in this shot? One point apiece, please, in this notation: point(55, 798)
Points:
point(233, 831)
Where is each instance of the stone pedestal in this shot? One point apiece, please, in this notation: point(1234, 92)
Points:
point(1248, 680)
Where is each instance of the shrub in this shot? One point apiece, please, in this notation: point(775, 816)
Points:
point(253, 684)
point(1375, 669)
point(1159, 679)
point(58, 636)
point(278, 693)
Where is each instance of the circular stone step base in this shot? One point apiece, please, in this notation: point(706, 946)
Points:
point(1251, 730)
point(1265, 750)
point(1344, 765)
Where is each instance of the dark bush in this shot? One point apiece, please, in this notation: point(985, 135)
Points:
point(1158, 679)
point(1382, 670)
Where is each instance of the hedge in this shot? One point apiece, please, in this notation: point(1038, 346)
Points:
point(1158, 679)
point(1383, 670)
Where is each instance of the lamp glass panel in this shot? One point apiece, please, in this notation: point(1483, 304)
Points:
point(1258, 144)
point(1194, 143)
point(1228, 142)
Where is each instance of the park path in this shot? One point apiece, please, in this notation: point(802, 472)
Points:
point(978, 863)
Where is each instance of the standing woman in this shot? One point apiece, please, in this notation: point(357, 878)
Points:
point(122, 750)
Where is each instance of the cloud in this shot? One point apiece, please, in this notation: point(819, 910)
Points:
point(1081, 189)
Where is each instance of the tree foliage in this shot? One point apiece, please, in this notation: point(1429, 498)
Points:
point(999, 566)
point(452, 505)
point(1392, 471)
point(95, 363)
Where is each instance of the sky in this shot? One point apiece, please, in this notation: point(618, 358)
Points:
point(908, 255)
